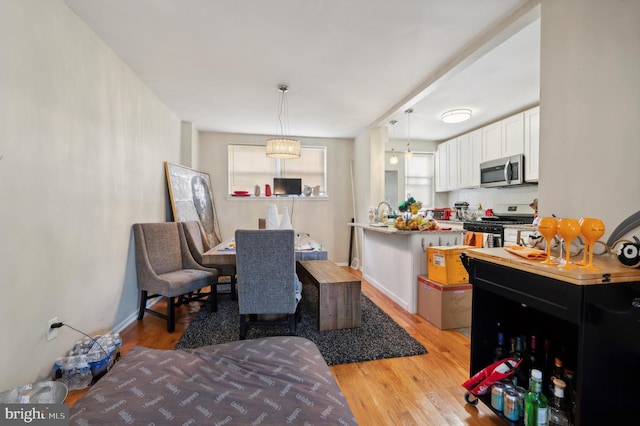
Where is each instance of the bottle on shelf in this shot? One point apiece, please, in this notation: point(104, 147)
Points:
point(558, 372)
point(533, 356)
point(500, 352)
point(547, 361)
point(558, 410)
point(522, 372)
point(536, 405)
point(570, 394)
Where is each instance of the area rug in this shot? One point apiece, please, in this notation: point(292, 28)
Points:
point(379, 337)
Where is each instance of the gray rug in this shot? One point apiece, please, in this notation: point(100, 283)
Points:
point(379, 337)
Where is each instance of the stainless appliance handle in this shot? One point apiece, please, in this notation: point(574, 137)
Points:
point(507, 172)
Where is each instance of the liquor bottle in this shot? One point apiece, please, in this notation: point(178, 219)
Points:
point(558, 373)
point(533, 356)
point(547, 362)
point(570, 394)
point(500, 351)
point(558, 410)
point(522, 372)
point(536, 406)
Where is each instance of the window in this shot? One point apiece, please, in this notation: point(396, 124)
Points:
point(419, 178)
point(250, 166)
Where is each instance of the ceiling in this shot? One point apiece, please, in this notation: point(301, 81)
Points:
point(348, 64)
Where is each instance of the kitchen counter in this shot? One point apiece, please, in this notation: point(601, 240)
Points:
point(611, 271)
point(393, 259)
point(395, 231)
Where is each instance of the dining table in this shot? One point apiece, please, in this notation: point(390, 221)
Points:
point(225, 252)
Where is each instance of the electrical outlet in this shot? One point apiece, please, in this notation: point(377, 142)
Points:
point(52, 333)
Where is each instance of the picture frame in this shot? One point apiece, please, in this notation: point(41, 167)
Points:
point(192, 199)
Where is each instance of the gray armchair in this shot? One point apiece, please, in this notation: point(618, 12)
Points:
point(267, 281)
point(198, 244)
point(165, 267)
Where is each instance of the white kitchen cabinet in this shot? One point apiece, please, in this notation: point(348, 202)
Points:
point(503, 138)
point(531, 144)
point(441, 168)
point(452, 164)
point(469, 159)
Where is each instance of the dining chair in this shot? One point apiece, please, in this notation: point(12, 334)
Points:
point(267, 281)
point(198, 245)
point(165, 267)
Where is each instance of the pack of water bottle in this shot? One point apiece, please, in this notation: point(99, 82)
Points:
point(89, 360)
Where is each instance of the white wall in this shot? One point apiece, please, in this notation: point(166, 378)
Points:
point(589, 109)
point(325, 220)
point(82, 142)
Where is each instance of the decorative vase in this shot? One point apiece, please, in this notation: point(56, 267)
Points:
point(256, 190)
point(285, 223)
point(271, 220)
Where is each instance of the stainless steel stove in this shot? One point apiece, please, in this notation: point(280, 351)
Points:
point(515, 214)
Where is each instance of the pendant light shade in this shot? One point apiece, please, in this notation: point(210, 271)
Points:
point(283, 147)
point(408, 154)
point(393, 159)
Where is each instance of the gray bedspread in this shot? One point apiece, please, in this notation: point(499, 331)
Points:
point(269, 381)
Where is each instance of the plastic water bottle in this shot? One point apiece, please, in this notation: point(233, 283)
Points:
point(83, 373)
point(56, 370)
point(117, 340)
point(69, 372)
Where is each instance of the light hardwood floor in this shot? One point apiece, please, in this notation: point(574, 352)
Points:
point(418, 390)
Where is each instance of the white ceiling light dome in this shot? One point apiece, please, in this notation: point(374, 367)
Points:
point(456, 115)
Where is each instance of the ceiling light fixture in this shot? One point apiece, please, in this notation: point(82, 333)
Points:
point(283, 147)
point(408, 155)
point(456, 115)
point(393, 159)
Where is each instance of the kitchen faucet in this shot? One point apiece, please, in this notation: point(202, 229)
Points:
point(389, 210)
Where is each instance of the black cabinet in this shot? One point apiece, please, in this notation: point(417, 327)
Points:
point(597, 327)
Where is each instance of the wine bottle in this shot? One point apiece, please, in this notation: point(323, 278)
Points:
point(522, 372)
point(500, 351)
point(558, 410)
point(536, 405)
point(533, 356)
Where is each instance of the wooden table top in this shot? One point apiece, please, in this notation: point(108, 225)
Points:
point(610, 270)
point(225, 253)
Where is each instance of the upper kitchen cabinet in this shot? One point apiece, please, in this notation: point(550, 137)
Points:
point(444, 167)
point(531, 144)
point(503, 138)
point(469, 158)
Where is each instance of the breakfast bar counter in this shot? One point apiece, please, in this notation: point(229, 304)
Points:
point(392, 259)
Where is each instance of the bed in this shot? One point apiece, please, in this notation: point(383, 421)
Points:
point(268, 381)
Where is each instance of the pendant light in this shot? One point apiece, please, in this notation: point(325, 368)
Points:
point(393, 159)
point(283, 147)
point(408, 155)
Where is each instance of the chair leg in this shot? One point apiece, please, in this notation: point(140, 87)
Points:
point(171, 315)
point(292, 324)
point(234, 295)
point(143, 304)
point(243, 326)
point(213, 299)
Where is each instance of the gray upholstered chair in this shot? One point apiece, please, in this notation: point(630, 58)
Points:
point(165, 267)
point(198, 244)
point(267, 281)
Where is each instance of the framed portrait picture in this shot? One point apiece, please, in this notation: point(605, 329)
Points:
point(192, 199)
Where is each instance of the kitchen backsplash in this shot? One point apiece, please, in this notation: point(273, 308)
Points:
point(489, 197)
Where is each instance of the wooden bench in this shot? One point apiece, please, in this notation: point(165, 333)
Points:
point(338, 293)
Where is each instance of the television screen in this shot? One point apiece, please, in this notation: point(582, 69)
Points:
point(282, 186)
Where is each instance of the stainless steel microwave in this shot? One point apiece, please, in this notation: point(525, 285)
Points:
point(506, 171)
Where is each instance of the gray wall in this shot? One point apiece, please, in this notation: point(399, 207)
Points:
point(83, 142)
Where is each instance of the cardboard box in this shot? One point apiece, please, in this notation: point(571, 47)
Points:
point(445, 306)
point(444, 265)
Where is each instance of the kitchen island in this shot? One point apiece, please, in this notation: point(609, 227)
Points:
point(393, 259)
point(591, 320)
